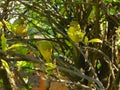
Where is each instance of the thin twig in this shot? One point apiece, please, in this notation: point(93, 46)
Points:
point(80, 74)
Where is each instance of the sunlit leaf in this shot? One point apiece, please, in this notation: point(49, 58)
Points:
point(1, 24)
point(21, 64)
point(22, 48)
point(5, 64)
point(16, 45)
point(50, 68)
point(86, 39)
point(59, 35)
point(99, 66)
point(117, 31)
point(3, 42)
point(8, 25)
point(95, 40)
point(25, 79)
point(50, 65)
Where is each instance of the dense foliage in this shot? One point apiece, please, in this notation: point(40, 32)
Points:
point(75, 42)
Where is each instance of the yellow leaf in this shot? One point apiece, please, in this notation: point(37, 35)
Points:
point(59, 35)
point(50, 65)
point(5, 64)
point(7, 24)
point(16, 45)
point(86, 39)
point(95, 40)
point(1, 24)
point(3, 42)
point(45, 48)
point(117, 31)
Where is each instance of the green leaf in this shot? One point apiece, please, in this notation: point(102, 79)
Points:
point(50, 68)
point(86, 39)
point(21, 64)
point(1, 82)
point(99, 66)
point(22, 48)
point(23, 88)
point(95, 40)
point(3, 42)
point(16, 45)
point(68, 43)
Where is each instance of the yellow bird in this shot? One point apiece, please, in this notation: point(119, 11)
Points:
point(20, 28)
point(45, 48)
point(74, 32)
